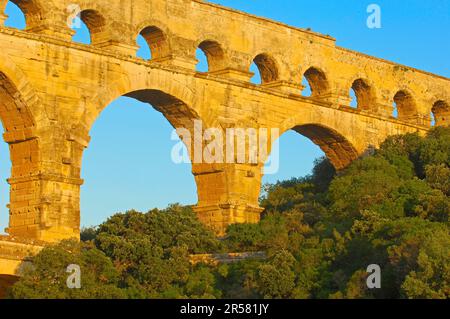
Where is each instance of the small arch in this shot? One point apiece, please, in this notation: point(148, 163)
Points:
point(157, 42)
point(16, 17)
point(202, 64)
point(23, 14)
point(307, 91)
point(441, 112)
point(267, 67)
point(317, 81)
point(144, 51)
point(92, 27)
point(214, 54)
point(404, 105)
point(364, 95)
point(432, 119)
point(17, 122)
point(394, 110)
point(353, 99)
point(256, 78)
point(82, 33)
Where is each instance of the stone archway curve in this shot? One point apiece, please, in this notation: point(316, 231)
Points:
point(154, 88)
point(337, 145)
point(30, 105)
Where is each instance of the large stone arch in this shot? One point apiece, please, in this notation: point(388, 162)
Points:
point(167, 95)
point(154, 81)
point(18, 124)
point(18, 103)
point(20, 108)
point(337, 145)
point(20, 82)
point(177, 102)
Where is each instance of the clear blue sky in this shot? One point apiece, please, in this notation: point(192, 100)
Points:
point(128, 163)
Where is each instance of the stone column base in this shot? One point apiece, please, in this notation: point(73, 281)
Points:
point(218, 217)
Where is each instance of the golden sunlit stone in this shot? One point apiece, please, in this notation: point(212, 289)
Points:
point(52, 90)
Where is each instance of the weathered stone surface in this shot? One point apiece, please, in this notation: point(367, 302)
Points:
point(52, 90)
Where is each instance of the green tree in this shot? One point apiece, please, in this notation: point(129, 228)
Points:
point(276, 279)
point(46, 277)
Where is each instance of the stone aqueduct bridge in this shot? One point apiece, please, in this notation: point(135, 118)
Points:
point(52, 90)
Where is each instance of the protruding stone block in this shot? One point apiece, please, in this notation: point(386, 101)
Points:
point(285, 87)
point(235, 74)
point(121, 48)
point(337, 100)
point(178, 61)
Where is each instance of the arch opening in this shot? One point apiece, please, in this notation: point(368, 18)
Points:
point(16, 17)
point(363, 95)
point(256, 78)
point(404, 105)
point(22, 14)
point(353, 99)
point(22, 160)
point(214, 54)
point(82, 34)
point(202, 64)
point(267, 68)
point(14, 113)
point(441, 112)
point(316, 142)
point(336, 147)
point(156, 42)
point(307, 91)
point(89, 28)
point(292, 155)
point(317, 81)
point(5, 173)
point(144, 174)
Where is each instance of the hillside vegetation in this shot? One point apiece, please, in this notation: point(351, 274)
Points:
point(319, 232)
